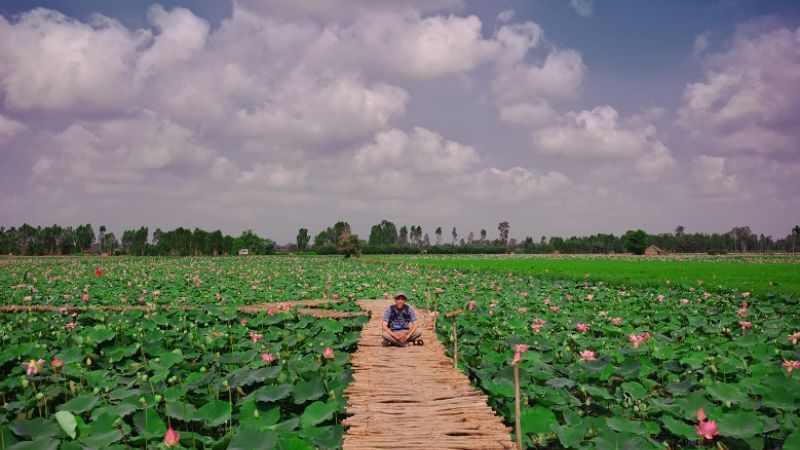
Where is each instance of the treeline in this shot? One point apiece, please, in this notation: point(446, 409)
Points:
point(58, 240)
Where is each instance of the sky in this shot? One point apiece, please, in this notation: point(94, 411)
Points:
point(562, 117)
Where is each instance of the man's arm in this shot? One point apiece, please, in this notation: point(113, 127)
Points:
point(386, 328)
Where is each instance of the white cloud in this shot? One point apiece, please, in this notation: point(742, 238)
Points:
point(584, 8)
point(9, 128)
point(505, 16)
point(712, 177)
point(424, 150)
point(275, 176)
point(744, 102)
point(599, 133)
point(344, 11)
point(514, 185)
point(530, 114)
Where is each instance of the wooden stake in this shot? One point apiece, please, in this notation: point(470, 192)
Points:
point(517, 407)
point(455, 344)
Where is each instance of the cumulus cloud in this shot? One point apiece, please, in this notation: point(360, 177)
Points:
point(344, 10)
point(515, 185)
point(600, 133)
point(744, 101)
point(584, 8)
point(9, 128)
point(712, 177)
point(424, 150)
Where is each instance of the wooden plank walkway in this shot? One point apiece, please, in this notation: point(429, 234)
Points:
point(412, 397)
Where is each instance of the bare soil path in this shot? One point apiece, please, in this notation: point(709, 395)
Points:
point(412, 397)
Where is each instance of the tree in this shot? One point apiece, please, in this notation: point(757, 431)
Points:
point(402, 237)
point(470, 238)
point(348, 245)
point(795, 235)
point(503, 227)
point(426, 241)
point(438, 235)
point(384, 233)
point(101, 233)
point(84, 236)
point(483, 236)
point(635, 241)
point(455, 235)
point(302, 239)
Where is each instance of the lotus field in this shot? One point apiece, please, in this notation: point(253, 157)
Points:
point(156, 352)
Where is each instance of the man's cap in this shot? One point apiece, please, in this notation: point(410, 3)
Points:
point(400, 294)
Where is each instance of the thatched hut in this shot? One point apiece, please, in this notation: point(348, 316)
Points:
point(652, 250)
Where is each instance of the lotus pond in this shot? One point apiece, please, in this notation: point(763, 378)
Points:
point(605, 366)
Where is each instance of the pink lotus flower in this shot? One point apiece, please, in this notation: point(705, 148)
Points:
point(546, 301)
point(684, 301)
point(790, 365)
point(745, 294)
point(172, 438)
point(582, 327)
point(616, 320)
point(794, 337)
point(742, 312)
point(588, 355)
point(519, 349)
point(267, 358)
point(522, 310)
point(537, 325)
point(27, 298)
point(255, 337)
point(636, 340)
point(570, 297)
point(218, 296)
point(745, 304)
point(98, 272)
point(328, 353)
point(472, 305)
point(57, 363)
point(706, 294)
point(603, 314)
point(706, 428)
point(555, 308)
point(745, 325)
point(660, 297)
point(243, 322)
point(440, 290)
point(85, 297)
point(270, 311)
point(33, 366)
point(70, 325)
point(590, 297)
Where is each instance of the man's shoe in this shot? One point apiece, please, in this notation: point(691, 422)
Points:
point(384, 343)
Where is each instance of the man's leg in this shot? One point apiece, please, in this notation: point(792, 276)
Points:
point(416, 335)
point(388, 337)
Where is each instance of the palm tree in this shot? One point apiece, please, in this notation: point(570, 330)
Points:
point(795, 233)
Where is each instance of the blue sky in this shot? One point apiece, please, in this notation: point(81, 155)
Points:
point(563, 117)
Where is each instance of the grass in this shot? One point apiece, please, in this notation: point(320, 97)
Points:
point(780, 275)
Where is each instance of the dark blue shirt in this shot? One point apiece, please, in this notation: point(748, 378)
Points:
point(399, 322)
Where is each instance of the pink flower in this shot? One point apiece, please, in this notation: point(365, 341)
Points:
point(172, 438)
point(537, 325)
point(684, 301)
point(218, 296)
point(745, 294)
point(328, 353)
point(603, 314)
point(472, 305)
point(440, 290)
point(57, 363)
point(745, 324)
point(270, 311)
point(588, 355)
point(791, 365)
point(707, 294)
point(243, 322)
point(433, 314)
point(255, 337)
point(267, 358)
point(570, 297)
point(33, 366)
point(706, 428)
point(27, 298)
point(98, 272)
point(519, 349)
point(546, 301)
point(794, 337)
point(582, 327)
point(85, 297)
point(616, 320)
point(636, 340)
point(660, 297)
point(589, 297)
point(745, 304)
point(522, 310)
point(386, 295)
point(70, 325)
point(742, 312)
point(555, 308)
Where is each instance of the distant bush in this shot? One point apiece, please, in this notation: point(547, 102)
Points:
point(717, 251)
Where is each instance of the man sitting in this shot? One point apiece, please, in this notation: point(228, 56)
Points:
point(400, 324)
